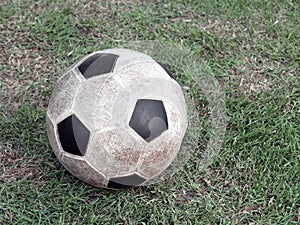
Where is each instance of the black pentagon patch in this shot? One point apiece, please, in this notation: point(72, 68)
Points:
point(149, 119)
point(98, 64)
point(167, 70)
point(125, 182)
point(73, 135)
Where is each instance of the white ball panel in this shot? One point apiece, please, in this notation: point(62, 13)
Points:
point(105, 102)
point(176, 121)
point(114, 152)
point(63, 95)
point(87, 100)
point(159, 154)
point(139, 70)
point(95, 102)
point(122, 110)
point(80, 168)
point(53, 139)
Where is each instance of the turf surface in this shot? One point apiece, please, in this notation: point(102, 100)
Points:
point(252, 48)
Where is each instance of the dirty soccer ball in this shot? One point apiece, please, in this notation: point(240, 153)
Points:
point(116, 119)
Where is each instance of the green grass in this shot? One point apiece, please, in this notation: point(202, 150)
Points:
point(252, 48)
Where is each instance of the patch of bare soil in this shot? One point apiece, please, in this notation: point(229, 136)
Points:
point(14, 168)
point(25, 70)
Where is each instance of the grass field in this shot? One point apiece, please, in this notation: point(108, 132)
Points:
point(252, 48)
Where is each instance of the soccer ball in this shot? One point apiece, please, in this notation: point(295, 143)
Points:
point(116, 119)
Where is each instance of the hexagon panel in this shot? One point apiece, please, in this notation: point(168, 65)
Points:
point(149, 119)
point(82, 169)
point(63, 95)
point(114, 152)
point(98, 64)
point(73, 135)
point(159, 154)
point(52, 137)
point(125, 181)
